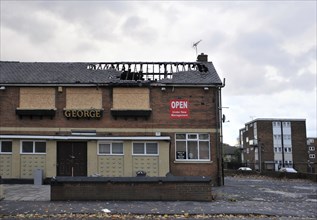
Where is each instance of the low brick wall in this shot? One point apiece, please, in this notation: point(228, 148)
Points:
point(131, 188)
point(274, 174)
point(1, 189)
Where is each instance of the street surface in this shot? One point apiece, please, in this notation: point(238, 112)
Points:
point(242, 197)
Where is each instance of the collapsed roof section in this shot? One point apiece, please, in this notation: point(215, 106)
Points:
point(111, 73)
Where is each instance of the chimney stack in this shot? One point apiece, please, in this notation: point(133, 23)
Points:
point(202, 57)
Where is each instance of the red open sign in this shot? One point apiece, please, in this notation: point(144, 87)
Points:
point(179, 109)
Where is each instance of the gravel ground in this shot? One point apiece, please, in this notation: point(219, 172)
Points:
point(242, 197)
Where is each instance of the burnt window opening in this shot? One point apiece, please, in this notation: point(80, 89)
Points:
point(128, 75)
point(149, 71)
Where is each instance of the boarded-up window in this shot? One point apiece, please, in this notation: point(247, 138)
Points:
point(37, 98)
point(83, 98)
point(131, 99)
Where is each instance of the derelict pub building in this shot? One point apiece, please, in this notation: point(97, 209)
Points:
point(110, 119)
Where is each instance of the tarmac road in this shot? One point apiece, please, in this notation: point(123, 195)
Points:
point(242, 197)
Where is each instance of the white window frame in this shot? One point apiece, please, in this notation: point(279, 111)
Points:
point(312, 148)
point(1, 146)
point(33, 141)
point(187, 139)
point(110, 143)
point(312, 156)
point(144, 148)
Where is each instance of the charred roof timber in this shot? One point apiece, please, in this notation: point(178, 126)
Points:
point(149, 70)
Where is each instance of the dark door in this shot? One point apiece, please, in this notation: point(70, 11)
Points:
point(71, 159)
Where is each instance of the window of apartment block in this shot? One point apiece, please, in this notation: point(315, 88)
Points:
point(83, 98)
point(5, 147)
point(287, 149)
point(147, 148)
point(286, 124)
point(192, 146)
point(33, 147)
point(37, 98)
point(110, 148)
point(255, 130)
point(311, 156)
point(312, 148)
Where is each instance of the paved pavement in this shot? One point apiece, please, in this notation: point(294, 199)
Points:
point(242, 197)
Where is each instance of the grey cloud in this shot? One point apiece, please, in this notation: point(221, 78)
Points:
point(28, 24)
point(139, 29)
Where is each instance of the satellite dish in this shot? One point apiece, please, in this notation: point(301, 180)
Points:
point(195, 45)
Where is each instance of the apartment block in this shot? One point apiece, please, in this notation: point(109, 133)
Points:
point(269, 144)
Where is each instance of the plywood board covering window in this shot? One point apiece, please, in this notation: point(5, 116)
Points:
point(131, 99)
point(37, 98)
point(83, 98)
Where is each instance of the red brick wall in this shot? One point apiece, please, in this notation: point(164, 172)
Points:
point(202, 115)
point(299, 144)
point(163, 191)
point(202, 109)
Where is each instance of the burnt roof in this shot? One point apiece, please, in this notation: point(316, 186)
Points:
point(183, 73)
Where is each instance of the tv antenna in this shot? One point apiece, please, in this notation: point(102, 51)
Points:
point(195, 45)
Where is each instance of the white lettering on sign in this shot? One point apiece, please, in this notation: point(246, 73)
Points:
point(179, 109)
point(179, 104)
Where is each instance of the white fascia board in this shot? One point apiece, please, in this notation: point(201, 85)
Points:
point(134, 138)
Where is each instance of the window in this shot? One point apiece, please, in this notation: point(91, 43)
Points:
point(37, 98)
point(312, 156)
point(288, 149)
point(5, 147)
point(310, 141)
point(83, 98)
point(145, 148)
point(33, 147)
point(192, 146)
point(110, 148)
point(131, 98)
point(311, 148)
point(287, 137)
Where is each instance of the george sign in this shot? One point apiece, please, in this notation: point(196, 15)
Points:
point(83, 113)
point(179, 109)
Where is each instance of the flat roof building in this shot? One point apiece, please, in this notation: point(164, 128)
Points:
point(273, 143)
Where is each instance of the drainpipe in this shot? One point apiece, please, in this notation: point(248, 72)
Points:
point(219, 140)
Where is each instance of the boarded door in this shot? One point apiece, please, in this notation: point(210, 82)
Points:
point(72, 159)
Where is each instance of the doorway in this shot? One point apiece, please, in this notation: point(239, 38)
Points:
point(71, 158)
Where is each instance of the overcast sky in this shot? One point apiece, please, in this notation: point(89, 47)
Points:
point(266, 50)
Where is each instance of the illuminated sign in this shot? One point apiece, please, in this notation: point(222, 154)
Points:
point(83, 113)
point(179, 109)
